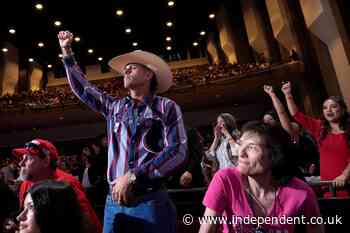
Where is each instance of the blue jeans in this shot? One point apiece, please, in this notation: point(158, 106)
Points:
point(155, 214)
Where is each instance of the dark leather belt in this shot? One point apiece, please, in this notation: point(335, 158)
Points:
point(142, 189)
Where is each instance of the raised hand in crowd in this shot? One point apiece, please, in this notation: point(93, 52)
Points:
point(280, 110)
point(287, 91)
point(65, 39)
point(287, 88)
point(269, 90)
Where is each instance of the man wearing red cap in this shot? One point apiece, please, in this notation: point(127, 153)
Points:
point(38, 162)
point(146, 139)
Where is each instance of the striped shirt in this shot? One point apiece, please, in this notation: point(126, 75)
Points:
point(147, 138)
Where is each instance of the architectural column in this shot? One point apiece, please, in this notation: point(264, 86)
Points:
point(36, 77)
point(323, 20)
point(9, 72)
point(233, 35)
point(259, 29)
point(214, 49)
point(281, 27)
point(290, 31)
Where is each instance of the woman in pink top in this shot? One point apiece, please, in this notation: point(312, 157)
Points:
point(261, 193)
point(332, 133)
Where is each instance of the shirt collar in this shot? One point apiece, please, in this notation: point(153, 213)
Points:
point(147, 100)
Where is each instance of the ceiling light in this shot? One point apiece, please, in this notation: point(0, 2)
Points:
point(169, 24)
point(31, 60)
point(39, 6)
point(57, 23)
point(12, 31)
point(202, 33)
point(49, 66)
point(195, 44)
point(100, 58)
point(168, 38)
point(119, 12)
point(212, 16)
point(40, 44)
point(171, 3)
point(128, 30)
point(168, 48)
point(60, 55)
point(135, 44)
point(77, 39)
point(90, 50)
point(5, 50)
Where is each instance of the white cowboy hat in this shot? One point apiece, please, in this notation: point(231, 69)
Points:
point(160, 68)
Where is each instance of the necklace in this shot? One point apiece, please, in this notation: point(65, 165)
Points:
point(251, 198)
point(258, 202)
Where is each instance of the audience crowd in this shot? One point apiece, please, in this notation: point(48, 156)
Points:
point(61, 96)
point(275, 149)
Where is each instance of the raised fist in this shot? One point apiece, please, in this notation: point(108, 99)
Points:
point(287, 88)
point(65, 38)
point(268, 89)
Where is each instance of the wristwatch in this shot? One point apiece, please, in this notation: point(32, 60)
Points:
point(132, 178)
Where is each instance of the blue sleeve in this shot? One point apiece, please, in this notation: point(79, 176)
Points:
point(93, 97)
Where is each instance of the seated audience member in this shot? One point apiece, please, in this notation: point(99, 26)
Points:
point(8, 205)
point(270, 117)
point(51, 207)
point(39, 160)
point(10, 171)
point(191, 174)
point(262, 185)
point(332, 133)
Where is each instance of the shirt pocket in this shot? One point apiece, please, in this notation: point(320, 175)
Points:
point(119, 120)
point(153, 138)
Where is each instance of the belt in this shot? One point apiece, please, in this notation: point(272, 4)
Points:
point(141, 189)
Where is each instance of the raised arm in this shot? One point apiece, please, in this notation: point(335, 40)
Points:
point(287, 91)
point(282, 115)
point(87, 93)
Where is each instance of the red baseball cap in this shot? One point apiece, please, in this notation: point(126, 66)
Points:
point(36, 147)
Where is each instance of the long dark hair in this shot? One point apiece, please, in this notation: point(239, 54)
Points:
point(280, 149)
point(344, 122)
point(230, 123)
point(56, 207)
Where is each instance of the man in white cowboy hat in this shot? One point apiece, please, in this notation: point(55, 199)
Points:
point(146, 139)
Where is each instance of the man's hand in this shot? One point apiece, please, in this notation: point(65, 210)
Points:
point(287, 89)
point(121, 191)
point(186, 179)
point(65, 38)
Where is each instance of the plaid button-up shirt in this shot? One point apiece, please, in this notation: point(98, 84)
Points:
point(147, 138)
